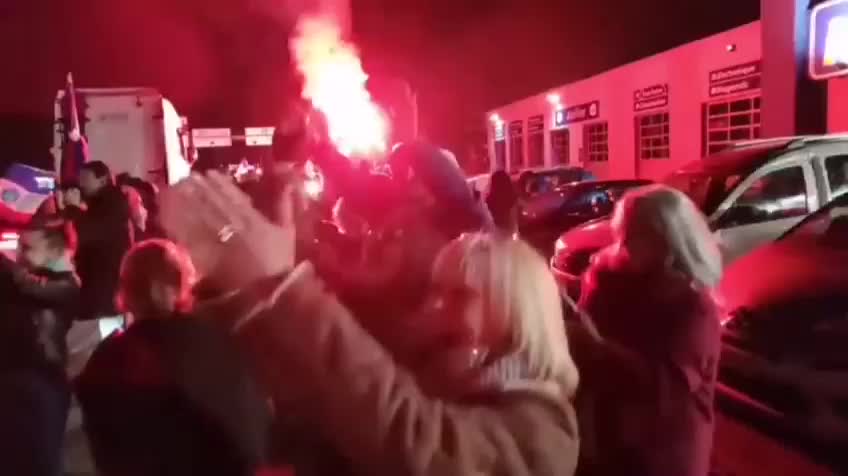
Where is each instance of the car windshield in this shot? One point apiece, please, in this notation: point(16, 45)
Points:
point(538, 183)
point(710, 180)
point(573, 198)
point(707, 191)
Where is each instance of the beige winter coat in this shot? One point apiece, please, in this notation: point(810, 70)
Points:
point(311, 352)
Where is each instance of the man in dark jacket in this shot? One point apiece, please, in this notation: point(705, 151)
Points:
point(105, 234)
point(37, 295)
point(171, 395)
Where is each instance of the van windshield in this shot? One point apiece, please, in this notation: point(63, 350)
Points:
point(707, 191)
point(710, 180)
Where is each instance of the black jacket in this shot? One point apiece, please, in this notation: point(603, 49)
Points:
point(173, 397)
point(36, 314)
point(105, 233)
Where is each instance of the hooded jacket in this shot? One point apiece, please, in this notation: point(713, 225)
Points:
point(456, 210)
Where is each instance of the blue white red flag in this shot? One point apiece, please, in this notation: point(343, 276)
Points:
point(75, 148)
point(22, 189)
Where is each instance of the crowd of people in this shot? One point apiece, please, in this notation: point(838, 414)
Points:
point(398, 330)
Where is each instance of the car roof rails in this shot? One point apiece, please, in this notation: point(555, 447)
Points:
point(792, 141)
point(841, 136)
point(766, 141)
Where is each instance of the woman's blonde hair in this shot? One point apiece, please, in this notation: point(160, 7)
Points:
point(519, 296)
point(660, 216)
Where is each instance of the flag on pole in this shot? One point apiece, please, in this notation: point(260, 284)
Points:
point(22, 190)
point(75, 149)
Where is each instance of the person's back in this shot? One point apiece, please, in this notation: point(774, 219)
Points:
point(171, 394)
point(502, 201)
point(650, 360)
point(665, 422)
point(171, 397)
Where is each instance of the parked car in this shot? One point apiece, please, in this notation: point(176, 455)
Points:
point(545, 217)
point(751, 194)
point(784, 360)
point(533, 182)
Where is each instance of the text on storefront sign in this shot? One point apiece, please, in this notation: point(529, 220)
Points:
point(651, 97)
point(735, 79)
point(580, 112)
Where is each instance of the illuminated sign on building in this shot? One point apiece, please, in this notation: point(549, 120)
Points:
point(559, 118)
point(500, 130)
point(651, 97)
point(829, 40)
point(578, 113)
point(736, 79)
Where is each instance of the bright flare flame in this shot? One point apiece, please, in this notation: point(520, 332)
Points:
point(335, 84)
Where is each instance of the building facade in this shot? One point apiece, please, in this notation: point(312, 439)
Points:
point(647, 118)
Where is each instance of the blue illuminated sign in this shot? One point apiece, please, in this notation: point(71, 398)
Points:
point(578, 113)
point(829, 40)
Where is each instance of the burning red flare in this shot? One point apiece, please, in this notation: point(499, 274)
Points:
point(335, 85)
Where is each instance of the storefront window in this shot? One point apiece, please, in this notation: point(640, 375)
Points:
point(595, 142)
point(728, 122)
point(536, 140)
point(652, 136)
point(500, 155)
point(516, 145)
point(560, 143)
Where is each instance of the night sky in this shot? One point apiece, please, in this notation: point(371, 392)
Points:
point(225, 63)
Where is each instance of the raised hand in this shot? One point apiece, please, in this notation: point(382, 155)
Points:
point(230, 242)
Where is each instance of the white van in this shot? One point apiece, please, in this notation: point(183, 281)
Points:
point(751, 194)
point(133, 130)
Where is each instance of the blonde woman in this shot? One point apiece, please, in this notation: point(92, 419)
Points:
point(651, 359)
point(493, 315)
point(489, 392)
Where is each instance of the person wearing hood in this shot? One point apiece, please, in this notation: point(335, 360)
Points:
point(435, 183)
point(435, 206)
point(425, 206)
